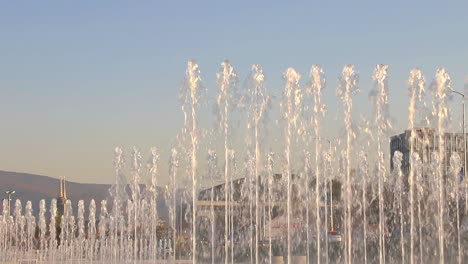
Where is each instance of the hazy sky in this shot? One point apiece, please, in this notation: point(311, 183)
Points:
point(80, 77)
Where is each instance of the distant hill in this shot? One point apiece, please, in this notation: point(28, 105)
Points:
point(31, 187)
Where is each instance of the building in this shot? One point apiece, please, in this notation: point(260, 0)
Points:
point(425, 142)
point(211, 203)
point(62, 198)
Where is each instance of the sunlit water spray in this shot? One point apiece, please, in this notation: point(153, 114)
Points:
point(125, 227)
point(135, 190)
point(380, 96)
point(190, 96)
point(441, 89)
point(226, 101)
point(292, 107)
point(171, 195)
point(257, 101)
point(317, 84)
point(347, 87)
point(398, 179)
point(416, 84)
point(153, 171)
point(454, 178)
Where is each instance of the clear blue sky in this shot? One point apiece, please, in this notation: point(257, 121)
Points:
point(79, 77)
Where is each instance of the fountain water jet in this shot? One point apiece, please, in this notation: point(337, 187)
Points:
point(292, 107)
point(226, 101)
point(190, 94)
point(416, 85)
point(257, 101)
point(441, 88)
point(380, 95)
point(257, 207)
point(153, 171)
point(317, 84)
point(347, 87)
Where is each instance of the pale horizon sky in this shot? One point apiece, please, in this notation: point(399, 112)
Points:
point(79, 78)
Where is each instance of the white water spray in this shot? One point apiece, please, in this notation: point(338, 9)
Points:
point(416, 83)
point(292, 107)
point(347, 87)
point(190, 95)
point(226, 101)
point(317, 84)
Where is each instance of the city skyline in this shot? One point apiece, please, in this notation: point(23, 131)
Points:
point(79, 79)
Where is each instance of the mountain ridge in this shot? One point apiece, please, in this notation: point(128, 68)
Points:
point(33, 187)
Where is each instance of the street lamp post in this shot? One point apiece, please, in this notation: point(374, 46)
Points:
point(9, 193)
point(464, 142)
point(464, 175)
point(463, 124)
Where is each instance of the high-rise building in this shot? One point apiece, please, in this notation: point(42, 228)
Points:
point(62, 199)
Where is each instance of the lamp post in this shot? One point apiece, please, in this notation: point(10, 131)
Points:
point(464, 175)
point(9, 193)
point(463, 124)
point(464, 139)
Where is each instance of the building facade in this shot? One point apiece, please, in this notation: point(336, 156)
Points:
point(425, 141)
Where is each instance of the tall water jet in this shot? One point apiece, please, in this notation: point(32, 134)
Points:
point(416, 83)
point(153, 171)
point(346, 88)
point(30, 226)
point(118, 197)
point(441, 89)
point(232, 160)
point(270, 175)
point(190, 95)
point(172, 189)
point(465, 92)
point(455, 166)
point(291, 110)
point(432, 219)
point(363, 172)
point(212, 172)
point(257, 102)
point(328, 193)
point(5, 230)
point(102, 229)
point(53, 228)
point(19, 223)
point(81, 227)
point(42, 227)
point(226, 101)
point(91, 229)
point(69, 225)
point(397, 159)
point(248, 194)
point(135, 188)
point(317, 84)
point(130, 224)
point(63, 233)
point(417, 167)
point(380, 96)
point(307, 177)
